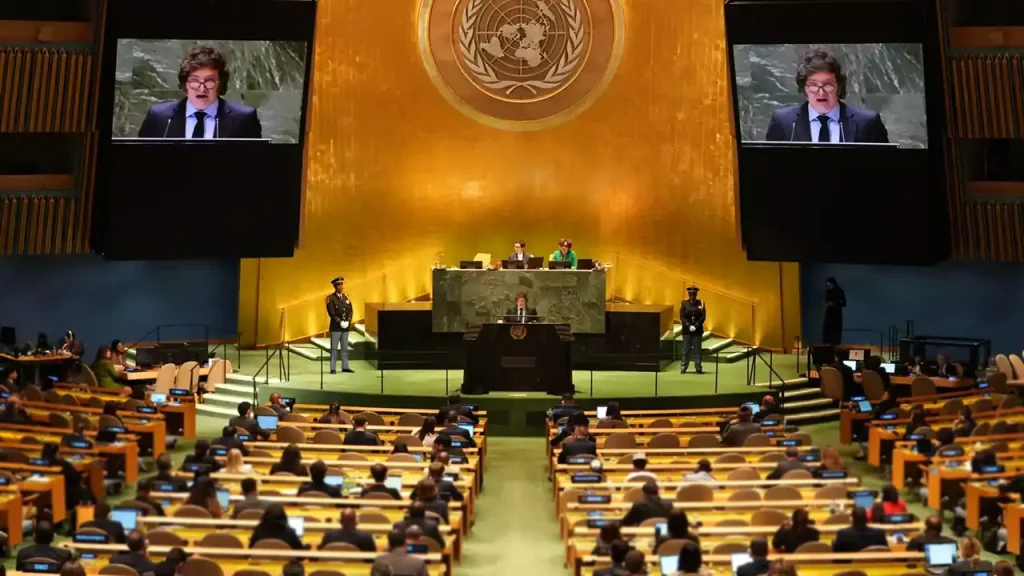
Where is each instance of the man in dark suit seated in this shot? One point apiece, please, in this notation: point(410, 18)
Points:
point(944, 368)
point(519, 253)
point(172, 564)
point(142, 494)
point(521, 313)
point(769, 410)
point(618, 549)
point(932, 535)
point(245, 421)
point(858, 535)
point(379, 472)
point(229, 440)
point(202, 113)
point(165, 473)
point(101, 519)
point(455, 404)
point(565, 409)
point(417, 516)
point(652, 506)
point(358, 436)
point(824, 118)
point(42, 548)
point(792, 462)
point(436, 472)
point(739, 429)
point(317, 473)
point(453, 431)
point(349, 533)
point(578, 444)
point(396, 560)
point(759, 563)
point(277, 405)
point(136, 556)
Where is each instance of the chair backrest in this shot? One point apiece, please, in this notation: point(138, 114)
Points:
point(803, 437)
point(58, 420)
point(660, 423)
point(88, 376)
point(373, 517)
point(143, 507)
point(731, 458)
point(220, 540)
point(610, 423)
point(352, 456)
point(186, 372)
point(200, 566)
point(290, 417)
point(250, 572)
point(327, 437)
point(1018, 365)
point(997, 382)
point(873, 386)
point(32, 393)
point(757, 440)
point(768, 517)
point(923, 386)
point(704, 441)
point(620, 441)
point(813, 548)
point(192, 511)
point(271, 544)
point(725, 548)
point(328, 572)
point(1008, 402)
point(745, 495)
point(831, 383)
point(372, 418)
point(664, 440)
point(671, 547)
point(118, 570)
point(95, 402)
point(132, 404)
point(411, 419)
point(51, 397)
point(401, 457)
point(743, 474)
point(340, 547)
point(30, 440)
point(951, 407)
point(69, 400)
point(108, 421)
point(410, 440)
point(251, 513)
point(290, 435)
point(695, 493)
point(838, 519)
point(782, 492)
point(797, 475)
point(1000, 427)
point(165, 378)
point(772, 457)
point(633, 495)
point(1004, 366)
point(981, 429)
point(733, 523)
point(164, 537)
point(218, 375)
point(835, 492)
point(313, 494)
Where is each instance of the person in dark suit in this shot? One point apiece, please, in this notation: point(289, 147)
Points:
point(165, 473)
point(436, 472)
point(42, 548)
point(251, 498)
point(795, 532)
point(652, 506)
point(172, 564)
point(769, 410)
point(519, 253)
point(426, 492)
point(453, 431)
point(578, 444)
point(932, 535)
point(396, 560)
point(274, 525)
point(618, 551)
point(944, 368)
point(142, 494)
point(101, 519)
point(358, 436)
point(792, 462)
point(201, 455)
point(73, 490)
point(202, 113)
point(743, 427)
point(858, 535)
point(824, 117)
point(970, 559)
point(417, 516)
point(379, 472)
point(835, 301)
point(339, 310)
point(229, 440)
point(245, 421)
point(349, 533)
point(759, 563)
point(454, 404)
point(692, 313)
point(277, 405)
point(521, 312)
point(136, 556)
point(317, 473)
point(565, 409)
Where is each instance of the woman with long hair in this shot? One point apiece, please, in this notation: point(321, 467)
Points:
point(274, 524)
point(970, 558)
point(427, 433)
point(235, 464)
point(290, 462)
point(795, 532)
point(333, 415)
point(835, 301)
point(831, 461)
point(204, 495)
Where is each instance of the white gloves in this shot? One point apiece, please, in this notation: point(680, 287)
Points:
point(693, 328)
point(344, 324)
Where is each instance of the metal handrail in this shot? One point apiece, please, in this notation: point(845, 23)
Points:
point(266, 377)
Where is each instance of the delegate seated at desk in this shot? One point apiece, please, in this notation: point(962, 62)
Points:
point(521, 313)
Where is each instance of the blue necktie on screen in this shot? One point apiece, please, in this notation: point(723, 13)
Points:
point(199, 132)
point(824, 134)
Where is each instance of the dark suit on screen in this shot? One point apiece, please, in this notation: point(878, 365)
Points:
point(513, 314)
point(792, 124)
point(234, 120)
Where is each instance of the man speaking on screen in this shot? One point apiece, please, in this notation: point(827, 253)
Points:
point(824, 117)
point(202, 113)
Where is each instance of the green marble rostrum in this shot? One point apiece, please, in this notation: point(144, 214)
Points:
point(465, 297)
point(266, 75)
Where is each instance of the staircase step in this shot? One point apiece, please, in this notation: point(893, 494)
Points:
point(307, 352)
point(235, 387)
point(737, 353)
point(801, 393)
point(246, 380)
point(814, 403)
point(716, 345)
point(225, 398)
point(677, 332)
point(788, 383)
point(215, 410)
point(808, 417)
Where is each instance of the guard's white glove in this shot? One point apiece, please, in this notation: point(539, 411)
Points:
point(344, 324)
point(693, 328)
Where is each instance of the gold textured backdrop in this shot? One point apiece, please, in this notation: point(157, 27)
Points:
point(643, 178)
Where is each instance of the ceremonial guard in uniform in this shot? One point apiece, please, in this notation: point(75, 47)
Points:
point(692, 313)
point(339, 309)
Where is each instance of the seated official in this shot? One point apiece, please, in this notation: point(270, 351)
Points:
point(758, 559)
point(349, 533)
point(11, 380)
point(277, 405)
point(454, 432)
point(566, 408)
point(577, 419)
point(229, 440)
point(454, 404)
point(831, 461)
point(678, 528)
point(578, 444)
point(136, 557)
point(700, 474)
point(964, 424)
point(858, 535)
point(874, 364)
point(944, 368)
point(202, 114)
point(617, 550)
point(652, 506)
point(43, 548)
point(290, 462)
point(824, 118)
point(769, 410)
point(417, 516)
point(13, 412)
point(358, 436)
point(521, 312)
point(743, 427)
point(690, 560)
point(426, 493)
point(795, 532)
point(107, 375)
point(250, 498)
point(606, 536)
point(519, 253)
point(436, 472)
point(201, 455)
point(274, 525)
point(640, 472)
point(73, 489)
point(792, 462)
point(118, 353)
point(396, 560)
point(245, 421)
point(165, 473)
point(564, 253)
point(851, 387)
point(143, 493)
point(101, 519)
point(379, 473)
point(932, 535)
point(317, 473)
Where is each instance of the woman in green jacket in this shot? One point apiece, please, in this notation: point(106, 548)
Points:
point(107, 375)
point(564, 253)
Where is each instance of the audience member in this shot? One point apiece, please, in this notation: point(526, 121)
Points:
point(970, 559)
point(932, 535)
point(702, 473)
point(891, 503)
point(201, 455)
point(614, 412)
point(245, 421)
point(317, 483)
point(677, 527)
point(579, 444)
point(769, 410)
point(143, 493)
point(455, 405)
point(173, 563)
point(204, 495)
point(290, 462)
point(74, 493)
point(831, 461)
point(792, 462)
point(229, 440)
point(566, 409)
point(964, 423)
point(43, 548)
point(858, 535)
point(274, 525)
point(782, 568)
point(690, 560)
point(13, 412)
point(398, 560)
point(250, 498)
point(851, 387)
point(453, 431)
point(294, 567)
point(358, 436)
point(101, 519)
point(136, 557)
point(608, 534)
point(436, 473)
point(107, 375)
point(379, 472)
point(11, 380)
point(617, 550)
point(277, 405)
point(635, 563)
point(640, 472)
point(652, 506)
point(737, 431)
point(333, 415)
point(427, 432)
point(795, 532)
point(426, 492)
point(236, 464)
point(164, 465)
point(349, 533)
point(417, 516)
point(759, 563)
point(874, 364)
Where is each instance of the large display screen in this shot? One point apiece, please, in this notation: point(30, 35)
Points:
point(240, 89)
point(202, 119)
point(832, 93)
point(839, 122)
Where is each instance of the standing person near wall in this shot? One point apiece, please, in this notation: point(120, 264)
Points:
point(835, 301)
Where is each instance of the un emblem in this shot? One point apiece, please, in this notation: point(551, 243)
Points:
point(517, 331)
point(521, 64)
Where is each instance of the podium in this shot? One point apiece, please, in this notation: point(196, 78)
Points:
point(518, 358)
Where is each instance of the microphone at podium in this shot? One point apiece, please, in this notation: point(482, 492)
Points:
point(521, 313)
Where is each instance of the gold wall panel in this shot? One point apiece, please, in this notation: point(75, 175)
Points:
point(642, 178)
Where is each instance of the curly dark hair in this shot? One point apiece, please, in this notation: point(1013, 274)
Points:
point(820, 60)
point(565, 242)
point(523, 296)
point(204, 56)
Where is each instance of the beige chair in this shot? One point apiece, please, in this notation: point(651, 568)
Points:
point(873, 386)
point(58, 420)
point(372, 418)
point(373, 517)
point(32, 393)
point(187, 376)
point(250, 572)
point(327, 437)
point(951, 407)
point(401, 457)
point(410, 440)
point(998, 428)
point(313, 494)
point(758, 440)
point(88, 376)
point(768, 517)
point(1009, 402)
point(671, 547)
point(772, 457)
point(51, 397)
point(31, 440)
point(294, 418)
point(664, 440)
point(797, 475)
point(220, 540)
point(661, 423)
point(620, 441)
point(743, 474)
point(218, 375)
point(1018, 366)
point(270, 544)
point(340, 547)
point(923, 386)
point(165, 377)
point(838, 519)
point(695, 493)
point(166, 537)
point(291, 435)
point(733, 523)
point(132, 404)
point(704, 441)
point(252, 513)
point(731, 458)
point(117, 570)
point(200, 566)
point(1003, 365)
point(351, 457)
point(108, 421)
point(745, 495)
point(782, 492)
point(610, 423)
point(831, 493)
point(832, 384)
point(727, 548)
point(814, 548)
point(411, 419)
point(69, 400)
point(192, 511)
point(997, 382)
point(804, 438)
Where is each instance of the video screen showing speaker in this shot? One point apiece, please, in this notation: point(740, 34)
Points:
point(202, 112)
point(832, 94)
point(195, 89)
point(839, 117)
